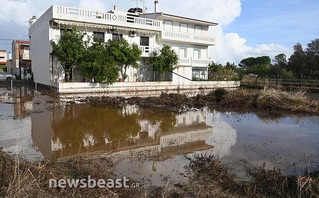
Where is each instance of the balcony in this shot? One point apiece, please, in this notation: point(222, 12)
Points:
point(146, 50)
point(189, 38)
point(104, 18)
point(194, 62)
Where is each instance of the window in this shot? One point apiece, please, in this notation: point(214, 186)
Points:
point(1, 57)
point(197, 29)
point(145, 41)
point(183, 52)
point(98, 36)
point(62, 29)
point(197, 53)
point(117, 37)
point(183, 27)
point(168, 25)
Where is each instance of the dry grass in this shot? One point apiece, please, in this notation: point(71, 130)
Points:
point(271, 100)
point(31, 179)
point(212, 179)
point(208, 177)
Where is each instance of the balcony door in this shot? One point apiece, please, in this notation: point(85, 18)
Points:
point(197, 29)
point(145, 44)
point(168, 25)
point(197, 54)
point(183, 52)
point(183, 27)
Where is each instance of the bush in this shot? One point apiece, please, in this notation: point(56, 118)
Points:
point(219, 94)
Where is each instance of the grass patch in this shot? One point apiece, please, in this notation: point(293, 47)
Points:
point(213, 179)
point(271, 100)
point(19, 178)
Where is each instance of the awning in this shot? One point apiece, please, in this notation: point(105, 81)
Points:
point(99, 26)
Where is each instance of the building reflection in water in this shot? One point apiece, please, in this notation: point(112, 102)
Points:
point(15, 123)
point(126, 132)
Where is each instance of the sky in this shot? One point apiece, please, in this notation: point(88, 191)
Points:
point(246, 27)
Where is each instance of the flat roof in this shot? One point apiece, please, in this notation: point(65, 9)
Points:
point(22, 41)
point(181, 17)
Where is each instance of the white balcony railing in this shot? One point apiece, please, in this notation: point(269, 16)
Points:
point(146, 50)
point(190, 38)
point(119, 19)
point(194, 62)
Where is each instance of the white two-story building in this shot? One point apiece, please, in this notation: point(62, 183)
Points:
point(189, 38)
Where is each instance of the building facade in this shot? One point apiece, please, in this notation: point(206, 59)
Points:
point(20, 64)
point(3, 58)
point(189, 38)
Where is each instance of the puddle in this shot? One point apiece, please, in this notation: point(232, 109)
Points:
point(150, 145)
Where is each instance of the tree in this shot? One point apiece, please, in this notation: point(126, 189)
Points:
point(259, 65)
point(280, 63)
point(99, 64)
point(215, 67)
point(69, 50)
point(164, 61)
point(124, 55)
point(217, 71)
point(312, 53)
point(298, 60)
point(231, 66)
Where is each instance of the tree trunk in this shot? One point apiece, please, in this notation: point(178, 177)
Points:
point(123, 73)
point(162, 76)
point(67, 76)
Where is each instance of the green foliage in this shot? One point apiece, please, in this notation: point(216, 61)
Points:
point(259, 65)
point(99, 64)
point(305, 62)
point(286, 74)
point(124, 55)
point(69, 50)
point(3, 68)
point(297, 60)
point(164, 61)
point(312, 53)
point(219, 72)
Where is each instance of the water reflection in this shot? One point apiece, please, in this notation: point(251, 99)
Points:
point(149, 144)
point(77, 129)
point(15, 123)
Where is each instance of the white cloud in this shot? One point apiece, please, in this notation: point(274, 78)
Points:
point(220, 11)
point(230, 47)
point(17, 12)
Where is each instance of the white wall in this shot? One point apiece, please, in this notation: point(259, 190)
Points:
point(183, 71)
point(40, 48)
point(41, 35)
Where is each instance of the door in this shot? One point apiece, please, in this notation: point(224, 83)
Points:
point(198, 29)
point(168, 25)
point(196, 54)
point(183, 52)
point(183, 27)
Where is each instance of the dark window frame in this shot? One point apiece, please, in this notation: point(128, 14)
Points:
point(99, 36)
point(144, 41)
point(117, 37)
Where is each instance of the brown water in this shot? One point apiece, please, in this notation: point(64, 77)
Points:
point(150, 145)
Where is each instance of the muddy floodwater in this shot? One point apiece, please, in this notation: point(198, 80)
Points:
point(148, 144)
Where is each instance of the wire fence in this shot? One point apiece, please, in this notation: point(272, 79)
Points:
point(277, 82)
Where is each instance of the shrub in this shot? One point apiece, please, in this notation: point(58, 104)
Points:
point(219, 94)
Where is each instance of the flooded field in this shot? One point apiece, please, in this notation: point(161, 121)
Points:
point(148, 144)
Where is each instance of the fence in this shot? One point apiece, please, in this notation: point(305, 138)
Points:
point(273, 82)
